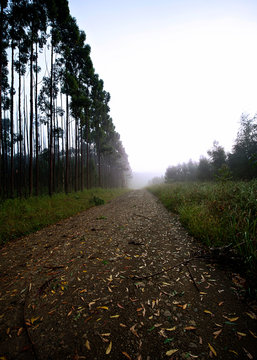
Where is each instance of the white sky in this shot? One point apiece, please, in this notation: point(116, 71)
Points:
point(180, 73)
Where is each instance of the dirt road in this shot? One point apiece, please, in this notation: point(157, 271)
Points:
point(119, 281)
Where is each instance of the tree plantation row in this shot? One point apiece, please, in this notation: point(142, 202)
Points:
point(239, 164)
point(56, 132)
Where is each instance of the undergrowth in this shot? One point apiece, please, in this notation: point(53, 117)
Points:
point(20, 217)
point(217, 213)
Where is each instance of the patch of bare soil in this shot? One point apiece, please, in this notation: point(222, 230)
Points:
point(120, 281)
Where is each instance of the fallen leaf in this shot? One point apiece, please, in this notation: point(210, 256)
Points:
point(253, 334)
point(212, 349)
point(240, 333)
point(157, 325)
point(171, 352)
point(32, 320)
point(190, 328)
point(103, 307)
point(221, 303)
point(114, 316)
point(90, 304)
point(231, 319)
point(19, 331)
point(252, 315)
point(109, 348)
point(233, 351)
point(126, 354)
point(248, 354)
point(132, 329)
point(120, 306)
point(162, 333)
point(123, 325)
point(171, 329)
point(88, 345)
point(208, 312)
point(217, 333)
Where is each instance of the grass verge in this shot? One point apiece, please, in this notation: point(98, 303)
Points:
point(20, 217)
point(217, 213)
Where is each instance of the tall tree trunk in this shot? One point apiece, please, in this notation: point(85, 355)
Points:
point(11, 113)
point(58, 150)
point(67, 146)
point(36, 123)
point(87, 141)
point(20, 132)
point(99, 161)
point(31, 117)
point(76, 156)
point(81, 160)
point(51, 129)
point(54, 150)
point(63, 175)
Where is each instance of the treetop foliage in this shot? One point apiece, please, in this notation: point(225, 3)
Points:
point(239, 164)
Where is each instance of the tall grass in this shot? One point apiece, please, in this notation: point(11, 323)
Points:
point(217, 213)
point(22, 216)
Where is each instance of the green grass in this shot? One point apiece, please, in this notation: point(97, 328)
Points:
point(19, 217)
point(217, 213)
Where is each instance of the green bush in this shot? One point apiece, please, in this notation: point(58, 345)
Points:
point(216, 213)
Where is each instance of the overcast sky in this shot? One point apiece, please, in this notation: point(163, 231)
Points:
point(180, 73)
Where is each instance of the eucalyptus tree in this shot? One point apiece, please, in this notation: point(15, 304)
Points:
point(100, 108)
point(36, 17)
point(81, 102)
point(19, 14)
point(69, 38)
point(3, 73)
point(18, 20)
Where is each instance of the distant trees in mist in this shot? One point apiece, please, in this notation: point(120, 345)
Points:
point(239, 164)
point(56, 133)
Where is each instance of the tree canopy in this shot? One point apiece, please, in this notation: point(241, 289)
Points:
point(239, 164)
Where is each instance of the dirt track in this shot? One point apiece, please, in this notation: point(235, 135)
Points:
point(85, 289)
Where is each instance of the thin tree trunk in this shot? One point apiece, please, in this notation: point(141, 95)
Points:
point(11, 113)
point(36, 123)
point(51, 129)
point(58, 151)
point(31, 118)
point(87, 140)
point(63, 175)
point(81, 160)
point(67, 146)
point(99, 161)
point(76, 156)
point(54, 150)
point(20, 132)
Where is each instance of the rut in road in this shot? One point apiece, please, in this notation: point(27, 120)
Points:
point(119, 281)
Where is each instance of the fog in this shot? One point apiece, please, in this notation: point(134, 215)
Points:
point(142, 179)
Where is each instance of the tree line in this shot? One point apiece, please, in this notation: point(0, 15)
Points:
point(239, 164)
point(56, 132)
